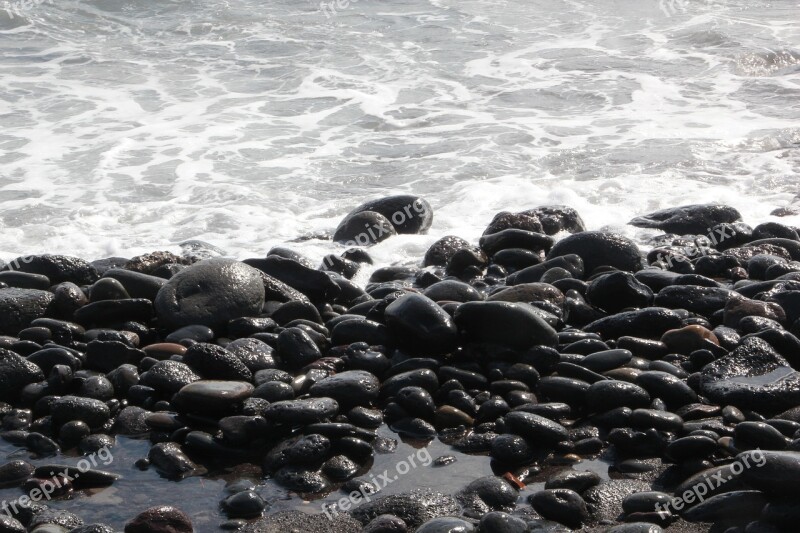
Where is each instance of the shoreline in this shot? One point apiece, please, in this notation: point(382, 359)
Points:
point(543, 345)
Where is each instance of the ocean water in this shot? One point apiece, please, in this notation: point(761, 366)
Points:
point(129, 125)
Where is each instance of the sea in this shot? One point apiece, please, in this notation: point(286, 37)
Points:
point(128, 126)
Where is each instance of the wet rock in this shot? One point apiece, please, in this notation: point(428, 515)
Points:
point(255, 354)
point(13, 473)
point(20, 307)
point(557, 218)
point(53, 517)
point(168, 377)
point(57, 268)
point(363, 228)
point(513, 238)
point(161, 519)
point(245, 504)
point(604, 501)
point(454, 291)
point(296, 347)
point(650, 323)
point(701, 300)
point(406, 212)
point(499, 522)
point(302, 412)
point(617, 291)
point(136, 284)
point(109, 312)
point(131, 421)
point(15, 373)
point(486, 494)
point(505, 220)
point(447, 524)
point(737, 310)
point(770, 471)
point(301, 479)
point(669, 388)
point(212, 361)
point(212, 398)
point(511, 324)
point(386, 524)
point(170, 460)
point(9, 524)
point(689, 219)
point(537, 429)
point(562, 505)
point(735, 506)
point(512, 450)
point(351, 388)
point(574, 480)
point(210, 292)
point(419, 324)
point(440, 252)
point(610, 394)
point(94, 412)
point(753, 376)
point(597, 249)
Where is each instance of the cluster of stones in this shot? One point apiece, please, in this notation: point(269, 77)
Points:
point(540, 345)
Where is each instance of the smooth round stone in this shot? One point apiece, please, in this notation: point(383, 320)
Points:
point(168, 377)
point(94, 412)
point(386, 524)
point(301, 480)
point(772, 472)
point(645, 502)
point(650, 323)
point(671, 389)
point(574, 480)
point(511, 324)
point(512, 450)
point(419, 324)
point(749, 435)
point(561, 505)
point(564, 390)
point(302, 412)
point(245, 504)
point(15, 373)
point(20, 307)
point(274, 391)
point(616, 291)
point(296, 348)
point(652, 418)
point(161, 519)
point(607, 395)
point(446, 524)
point(350, 388)
point(339, 468)
point(453, 291)
point(227, 289)
point(499, 522)
point(537, 429)
point(606, 360)
point(740, 505)
point(598, 248)
point(13, 473)
point(212, 398)
point(255, 354)
point(171, 461)
point(212, 361)
point(423, 378)
point(691, 447)
point(414, 427)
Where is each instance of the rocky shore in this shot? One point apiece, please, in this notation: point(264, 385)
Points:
point(541, 347)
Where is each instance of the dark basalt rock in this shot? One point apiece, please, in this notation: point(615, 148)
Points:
point(515, 238)
point(734, 506)
point(618, 290)
point(316, 285)
point(301, 412)
point(20, 307)
point(168, 377)
point(350, 388)
point(210, 293)
point(486, 494)
point(505, 220)
point(137, 285)
point(562, 505)
point(212, 398)
point(109, 312)
point(419, 324)
point(597, 248)
point(557, 218)
point(284, 521)
point(454, 291)
point(57, 268)
point(94, 412)
point(701, 300)
point(162, 519)
point(649, 323)
point(689, 219)
point(511, 324)
point(212, 361)
point(440, 252)
point(753, 376)
point(363, 228)
point(406, 212)
point(15, 373)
